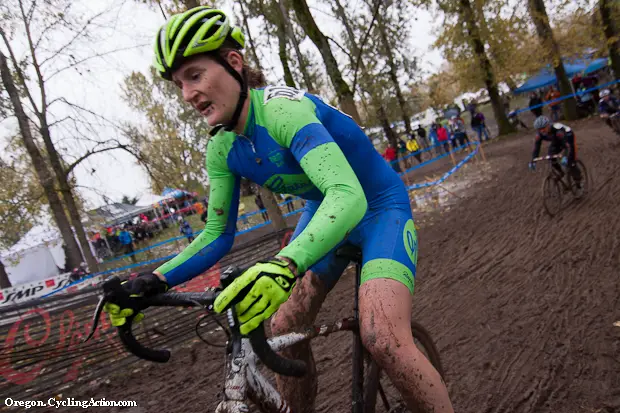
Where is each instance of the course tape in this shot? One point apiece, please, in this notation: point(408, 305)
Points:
point(454, 150)
point(450, 172)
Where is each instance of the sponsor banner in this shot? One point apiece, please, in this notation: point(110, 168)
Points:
point(24, 292)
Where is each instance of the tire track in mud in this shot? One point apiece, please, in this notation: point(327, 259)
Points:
point(521, 305)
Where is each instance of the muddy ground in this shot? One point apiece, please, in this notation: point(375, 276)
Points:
point(521, 305)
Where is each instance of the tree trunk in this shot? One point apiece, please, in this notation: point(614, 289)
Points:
point(385, 123)
point(67, 194)
point(288, 76)
point(538, 13)
point(275, 214)
point(393, 74)
point(250, 40)
point(190, 4)
point(43, 173)
point(612, 34)
point(489, 77)
point(345, 95)
point(300, 57)
point(4, 277)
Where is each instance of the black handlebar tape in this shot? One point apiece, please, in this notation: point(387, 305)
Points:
point(276, 363)
point(130, 342)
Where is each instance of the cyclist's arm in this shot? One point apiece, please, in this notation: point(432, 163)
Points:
point(296, 126)
point(537, 144)
point(219, 233)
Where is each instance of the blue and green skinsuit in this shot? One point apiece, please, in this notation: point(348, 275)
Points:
point(294, 143)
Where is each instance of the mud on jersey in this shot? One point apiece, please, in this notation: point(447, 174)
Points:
point(293, 143)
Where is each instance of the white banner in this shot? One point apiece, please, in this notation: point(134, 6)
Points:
point(37, 289)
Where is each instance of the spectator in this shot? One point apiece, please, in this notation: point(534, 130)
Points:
point(186, 229)
point(402, 150)
point(258, 200)
point(442, 137)
point(390, 156)
point(413, 147)
point(478, 125)
point(126, 241)
point(288, 200)
point(422, 135)
point(458, 130)
point(552, 95)
point(586, 100)
point(432, 135)
point(535, 100)
point(471, 107)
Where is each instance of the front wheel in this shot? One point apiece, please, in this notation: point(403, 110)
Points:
point(377, 383)
point(552, 194)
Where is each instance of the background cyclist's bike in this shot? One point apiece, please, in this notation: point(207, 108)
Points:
point(244, 380)
point(557, 184)
point(615, 122)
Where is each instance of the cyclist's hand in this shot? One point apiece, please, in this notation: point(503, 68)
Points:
point(257, 293)
point(532, 166)
point(144, 285)
point(564, 161)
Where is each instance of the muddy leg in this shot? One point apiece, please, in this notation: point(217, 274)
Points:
point(298, 311)
point(385, 322)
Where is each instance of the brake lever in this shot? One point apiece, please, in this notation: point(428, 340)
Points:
point(95, 322)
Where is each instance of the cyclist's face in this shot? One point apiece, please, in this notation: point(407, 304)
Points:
point(209, 88)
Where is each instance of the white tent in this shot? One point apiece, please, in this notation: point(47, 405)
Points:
point(37, 256)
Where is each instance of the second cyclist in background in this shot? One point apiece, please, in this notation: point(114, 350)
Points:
point(560, 138)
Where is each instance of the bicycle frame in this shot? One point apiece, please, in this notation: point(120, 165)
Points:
point(243, 379)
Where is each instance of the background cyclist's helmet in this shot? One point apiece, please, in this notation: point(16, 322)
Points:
point(541, 122)
point(605, 92)
point(197, 31)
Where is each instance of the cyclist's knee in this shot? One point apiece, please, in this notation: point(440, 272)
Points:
point(385, 326)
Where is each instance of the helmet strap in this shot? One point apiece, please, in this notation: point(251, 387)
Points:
point(243, 95)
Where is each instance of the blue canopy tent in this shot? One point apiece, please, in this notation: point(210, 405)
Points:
point(546, 76)
point(596, 65)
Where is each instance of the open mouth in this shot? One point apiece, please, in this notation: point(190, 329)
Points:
point(204, 107)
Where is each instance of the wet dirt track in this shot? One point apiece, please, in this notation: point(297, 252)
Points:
point(521, 306)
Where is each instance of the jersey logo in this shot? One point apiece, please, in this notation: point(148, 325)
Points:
point(273, 92)
point(560, 126)
point(277, 158)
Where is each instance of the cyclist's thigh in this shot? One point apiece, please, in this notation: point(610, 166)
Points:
point(390, 245)
point(330, 267)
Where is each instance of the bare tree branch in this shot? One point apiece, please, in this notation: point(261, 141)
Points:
point(363, 42)
point(75, 37)
point(78, 62)
point(20, 74)
point(345, 51)
point(75, 163)
point(61, 18)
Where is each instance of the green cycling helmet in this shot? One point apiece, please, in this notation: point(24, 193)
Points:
point(198, 30)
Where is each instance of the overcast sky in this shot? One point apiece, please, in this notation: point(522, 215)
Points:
point(115, 173)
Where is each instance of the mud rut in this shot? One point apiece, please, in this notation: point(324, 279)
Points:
point(520, 305)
